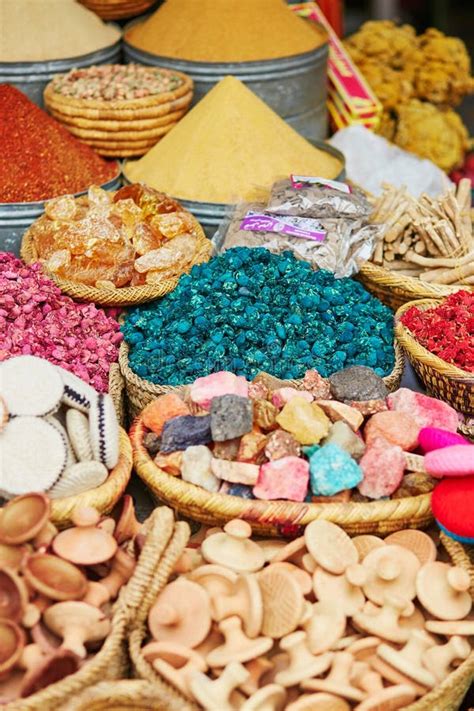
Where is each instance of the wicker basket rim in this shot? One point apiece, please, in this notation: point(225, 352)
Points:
point(418, 287)
point(450, 370)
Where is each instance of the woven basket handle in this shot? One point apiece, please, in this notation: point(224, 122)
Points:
point(117, 392)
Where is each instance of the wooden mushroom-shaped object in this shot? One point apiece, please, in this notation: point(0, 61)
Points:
point(44, 538)
point(319, 702)
point(189, 560)
point(213, 695)
point(385, 622)
point(12, 642)
point(268, 698)
point(408, 660)
point(345, 588)
point(395, 697)
point(391, 569)
point(443, 590)
point(175, 662)
point(234, 548)
point(257, 668)
point(215, 579)
point(23, 518)
point(98, 593)
point(330, 546)
point(283, 601)
point(303, 664)
point(77, 623)
point(439, 658)
point(13, 596)
point(181, 614)
point(12, 557)
point(415, 541)
point(54, 577)
point(237, 646)
point(44, 638)
point(338, 680)
point(365, 543)
point(301, 576)
point(245, 601)
point(128, 526)
point(85, 544)
point(325, 626)
point(49, 670)
point(463, 628)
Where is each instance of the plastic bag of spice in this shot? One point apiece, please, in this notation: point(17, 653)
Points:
point(346, 242)
point(316, 198)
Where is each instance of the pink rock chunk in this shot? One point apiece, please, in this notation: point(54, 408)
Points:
point(235, 472)
point(258, 391)
point(396, 427)
point(339, 411)
point(285, 478)
point(382, 465)
point(431, 438)
point(457, 460)
point(317, 385)
point(205, 389)
point(283, 395)
point(369, 407)
point(427, 411)
point(282, 444)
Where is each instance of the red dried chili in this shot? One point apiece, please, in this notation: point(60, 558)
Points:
point(446, 330)
point(39, 158)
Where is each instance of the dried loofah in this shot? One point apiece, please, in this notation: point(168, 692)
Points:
point(104, 431)
point(55, 422)
point(77, 393)
point(78, 478)
point(78, 430)
point(30, 386)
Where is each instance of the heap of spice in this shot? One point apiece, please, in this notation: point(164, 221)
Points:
point(35, 31)
point(36, 319)
point(115, 82)
point(248, 310)
point(223, 31)
point(229, 147)
point(446, 330)
point(39, 159)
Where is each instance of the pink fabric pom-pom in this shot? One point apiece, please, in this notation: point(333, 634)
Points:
point(450, 461)
point(431, 438)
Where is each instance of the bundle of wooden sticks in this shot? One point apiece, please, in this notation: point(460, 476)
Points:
point(427, 238)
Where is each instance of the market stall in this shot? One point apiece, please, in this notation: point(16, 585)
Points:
point(236, 360)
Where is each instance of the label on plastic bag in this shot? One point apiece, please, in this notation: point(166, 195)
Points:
point(303, 227)
point(303, 181)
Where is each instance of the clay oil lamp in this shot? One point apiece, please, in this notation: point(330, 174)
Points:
point(77, 623)
point(12, 556)
point(24, 518)
point(54, 577)
point(45, 639)
point(12, 642)
point(85, 544)
point(10, 686)
point(127, 525)
point(13, 596)
point(50, 669)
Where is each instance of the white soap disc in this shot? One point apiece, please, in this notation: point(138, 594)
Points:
point(71, 457)
point(33, 455)
point(78, 430)
point(79, 478)
point(104, 431)
point(30, 386)
point(77, 393)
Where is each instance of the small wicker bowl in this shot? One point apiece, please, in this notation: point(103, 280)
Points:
point(441, 379)
point(124, 296)
point(104, 497)
point(119, 9)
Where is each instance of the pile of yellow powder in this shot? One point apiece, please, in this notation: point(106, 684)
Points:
point(41, 30)
point(224, 31)
point(231, 146)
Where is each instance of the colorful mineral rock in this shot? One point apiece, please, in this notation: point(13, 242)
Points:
point(231, 417)
point(170, 463)
point(282, 444)
point(414, 484)
point(164, 408)
point(235, 472)
point(369, 407)
point(339, 411)
point(317, 385)
point(185, 431)
point(196, 468)
point(203, 390)
point(382, 465)
point(396, 427)
point(285, 478)
point(245, 492)
point(283, 395)
point(152, 443)
point(258, 390)
point(265, 414)
point(344, 437)
point(357, 383)
point(332, 470)
point(306, 421)
point(427, 411)
point(227, 450)
point(252, 448)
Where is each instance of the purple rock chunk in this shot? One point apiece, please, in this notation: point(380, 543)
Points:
point(185, 431)
point(245, 492)
point(231, 417)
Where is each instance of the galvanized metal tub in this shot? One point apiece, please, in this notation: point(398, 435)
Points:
point(294, 87)
point(32, 77)
point(16, 217)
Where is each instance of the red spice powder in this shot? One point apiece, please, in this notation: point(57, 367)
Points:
point(446, 330)
point(39, 158)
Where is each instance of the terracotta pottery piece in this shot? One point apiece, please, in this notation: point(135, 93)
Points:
point(245, 601)
point(127, 526)
point(234, 548)
point(408, 660)
point(217, 694)
point(338, 680)
point(181, 614)
point(268, 698)
point(54, 577)
point(439, 658)
point(12, 556)
point(390, 570)
point(303, 664)
point(13, 596)
point(85, 544)
point(326, 625)
point(23, 518)
point(237, 646)
point(77, 623)
point(443, 590)
point(12, 642)
point(330, 546)
point(53, 668)
point(283, 601)
point(415, 541)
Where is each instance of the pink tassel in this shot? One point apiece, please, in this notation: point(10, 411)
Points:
point(450, 461)
point(431, 438)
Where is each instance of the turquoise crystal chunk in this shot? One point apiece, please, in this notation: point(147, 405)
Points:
point(332, 470)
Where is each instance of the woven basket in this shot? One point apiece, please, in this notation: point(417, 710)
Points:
point(274, 518)
point(119, 9)
point(395, 289)
point(103, 497)
point(447, 696)
point(441, 379)
point(124, 695)
point(139, 392)
point(127, 295)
